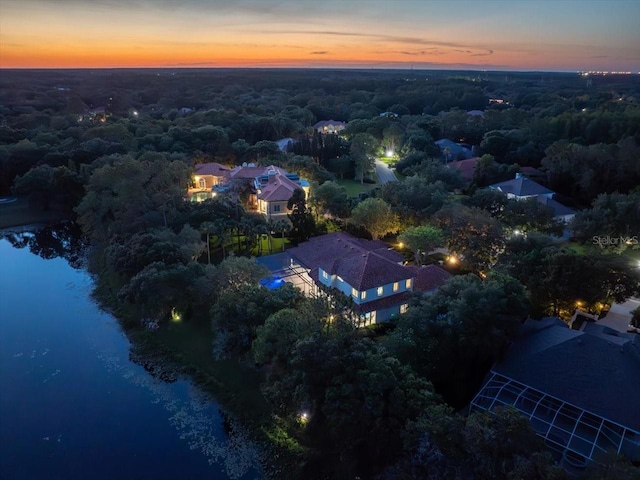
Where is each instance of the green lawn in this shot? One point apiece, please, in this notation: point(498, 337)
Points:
point(355, 188)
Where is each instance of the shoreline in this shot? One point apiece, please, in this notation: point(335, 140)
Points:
point(17, 213)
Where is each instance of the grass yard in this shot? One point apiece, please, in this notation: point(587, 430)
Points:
point(355, 188)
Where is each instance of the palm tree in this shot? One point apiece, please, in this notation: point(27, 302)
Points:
point(221, 230)
point(208, 228)
point(282, 226)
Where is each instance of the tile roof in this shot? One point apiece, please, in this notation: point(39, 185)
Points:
point(465, 167)
point(593, 370)
point(521, 187)
point(428, 277)
point(363, 264)
point(211, 168)
point(250, 171)
point(384, 302)
point(278, 189)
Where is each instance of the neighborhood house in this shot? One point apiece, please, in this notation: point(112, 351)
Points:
point(367, 271)
point(580, 390)
point(205, 177)
point(523, 188)
point(270, 187)
point(329, 126)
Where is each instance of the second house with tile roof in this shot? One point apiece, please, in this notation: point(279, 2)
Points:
point(368, 272)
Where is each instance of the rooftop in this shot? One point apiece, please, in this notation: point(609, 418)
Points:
point(466, 167)
point(521, 187)
point(428, 277)
point(558, 208)
point(597, 370)
point(211, 168)
point(278, 188)
point(363, 264)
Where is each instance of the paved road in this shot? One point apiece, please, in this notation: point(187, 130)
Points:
point(384, 173)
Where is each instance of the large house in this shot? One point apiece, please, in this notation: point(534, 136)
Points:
point(270, 188)
point(580, 390)
point(467, 168)
point(329, 126)
point(523, 188)
point(206, 176)
point(274, 187)
point(454, 151)
point(367, 271)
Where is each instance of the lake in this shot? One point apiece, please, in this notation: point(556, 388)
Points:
point(74, 406)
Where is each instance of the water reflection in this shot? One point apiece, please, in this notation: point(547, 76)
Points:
point(78, 400)
point(62, 240)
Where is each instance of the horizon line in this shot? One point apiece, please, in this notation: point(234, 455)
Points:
point(306, 67)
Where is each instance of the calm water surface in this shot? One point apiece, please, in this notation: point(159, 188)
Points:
point(72, 404)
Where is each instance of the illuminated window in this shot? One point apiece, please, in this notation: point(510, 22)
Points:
point(396, 286)
point(363, 295)
point(325, 274)
point(408, 283)
point(202, 183)
point(354, 292)
point(380, 290)
point(403, 308)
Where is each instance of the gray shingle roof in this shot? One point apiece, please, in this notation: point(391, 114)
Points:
point(558, 208)
point(592, 370)
point(521, 187)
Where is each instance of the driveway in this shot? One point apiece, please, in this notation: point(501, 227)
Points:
point(384, 173)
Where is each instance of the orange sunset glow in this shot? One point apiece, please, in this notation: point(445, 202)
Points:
point(527, 35)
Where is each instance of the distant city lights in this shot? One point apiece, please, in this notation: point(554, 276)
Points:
point(599, 72)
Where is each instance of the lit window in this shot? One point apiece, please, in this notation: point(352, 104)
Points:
point(354, 292)
point(380, 290)
point(396, 286)
point(403, 308)
point(408, 283)
point(325, 274)
point(363, 295)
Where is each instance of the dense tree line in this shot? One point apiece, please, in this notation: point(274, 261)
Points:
point(351, 402)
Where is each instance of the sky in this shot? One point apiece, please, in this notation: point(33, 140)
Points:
point(540, 35)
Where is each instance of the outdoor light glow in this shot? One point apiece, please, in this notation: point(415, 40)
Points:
point(175, 315)
point(303, 418)
point(401, 245)
point(517, 232)
point(452, 260)
point(389, 153)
